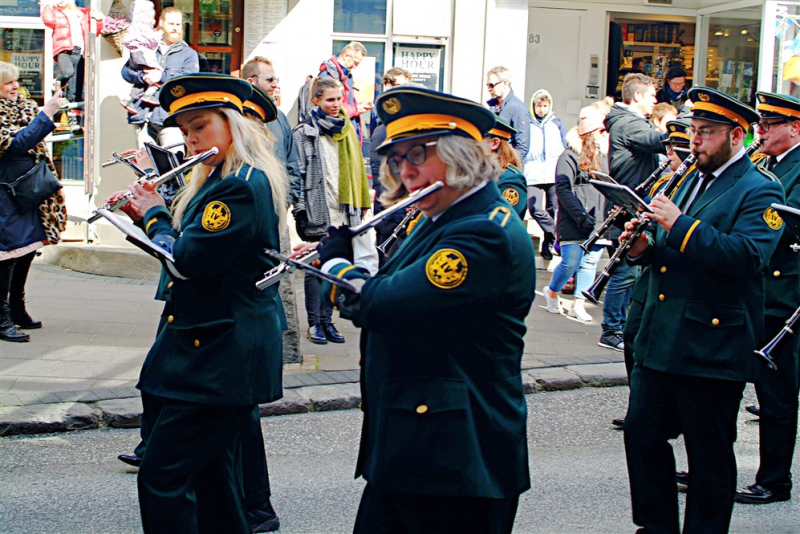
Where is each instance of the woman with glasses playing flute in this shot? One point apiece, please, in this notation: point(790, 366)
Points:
point(218, 352)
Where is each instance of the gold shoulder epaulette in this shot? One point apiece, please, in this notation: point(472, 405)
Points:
point(767, 173)
point(661, 181)
point(501, 209)
point(758, 157)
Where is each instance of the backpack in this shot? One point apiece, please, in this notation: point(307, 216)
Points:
point(304, 104)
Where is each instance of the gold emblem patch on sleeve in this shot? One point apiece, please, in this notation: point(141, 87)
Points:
point(216, 216)
point(446, 268)
point(511, 195)
point(773, 220)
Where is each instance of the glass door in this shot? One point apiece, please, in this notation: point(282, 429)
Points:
point(781, 49)
point(214, 29)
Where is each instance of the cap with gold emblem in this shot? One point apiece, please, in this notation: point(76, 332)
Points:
point(677, 133)
point(413, 112)
point(260, 105)
point(202, 91)
point(715, 106)
point(501, 130)
point(775, 106)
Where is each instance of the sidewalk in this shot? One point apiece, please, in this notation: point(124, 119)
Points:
point(80, 369)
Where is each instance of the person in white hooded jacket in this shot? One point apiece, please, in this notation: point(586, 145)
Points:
point(547, 142)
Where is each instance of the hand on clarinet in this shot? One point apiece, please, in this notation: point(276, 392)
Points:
point(665, 212)
point(640, 245)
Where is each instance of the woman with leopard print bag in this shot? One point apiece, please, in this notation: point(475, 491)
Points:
point(22, 132)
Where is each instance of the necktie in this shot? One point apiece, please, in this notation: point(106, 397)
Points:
point(773, 161)
point(705, 179)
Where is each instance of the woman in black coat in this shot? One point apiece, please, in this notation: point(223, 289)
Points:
point(22, 232)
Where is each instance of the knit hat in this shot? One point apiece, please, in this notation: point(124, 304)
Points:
point(591, 119)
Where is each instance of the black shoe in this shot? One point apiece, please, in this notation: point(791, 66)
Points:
point(130, 459)
point(264, 519)
point(682, 478)
point(23, 320)
point(547, 246)
point(9, 332)
point(755, 410)
point(317, 335)
point(331, 334)
point(756, 494)
point(619, 423)
point(613, 342)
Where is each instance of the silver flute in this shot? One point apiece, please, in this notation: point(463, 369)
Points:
point(156, 181)
point(284, 269)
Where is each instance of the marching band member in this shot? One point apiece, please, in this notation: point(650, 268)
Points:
point(777, 391)
point(701, 321)
point(439, 404)
point(512, 182)
point(219, 353)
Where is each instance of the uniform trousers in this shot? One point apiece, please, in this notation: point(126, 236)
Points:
point(190, 479)
point(391, 512)
point(662, 406)
point(777, 393)
point(254, 464)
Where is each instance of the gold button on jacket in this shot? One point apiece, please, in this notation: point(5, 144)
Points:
point(422, 409)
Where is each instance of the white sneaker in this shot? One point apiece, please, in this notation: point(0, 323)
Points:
point(553, 305)
point(580, 314)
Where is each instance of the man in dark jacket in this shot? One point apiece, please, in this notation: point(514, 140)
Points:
point(339, 68)
point(507, 106)
point(634, 145)
point(176, 59)
point(259, 72)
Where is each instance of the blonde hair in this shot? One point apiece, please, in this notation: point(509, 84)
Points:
point(8, 72)
point(468, 164)
point(506, 155)
point(250, 146)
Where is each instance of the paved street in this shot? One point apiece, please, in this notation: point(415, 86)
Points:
point(97, 331)
point(72, 483)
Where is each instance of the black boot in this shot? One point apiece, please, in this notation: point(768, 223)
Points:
point(547, 244)
point(16, 293)
point(20, 316)
point(9, 332)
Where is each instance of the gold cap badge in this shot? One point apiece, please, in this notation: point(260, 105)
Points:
point(391, 106)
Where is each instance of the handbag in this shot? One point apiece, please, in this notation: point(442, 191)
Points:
point(33, 187)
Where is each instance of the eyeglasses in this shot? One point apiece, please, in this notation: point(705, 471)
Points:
point(415, 156)
point(706, 134)
point(270, 79)
point(491, 85)
point(766, 126)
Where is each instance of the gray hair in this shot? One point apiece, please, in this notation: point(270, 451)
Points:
point(469, 164)
point(354, 46)
point(8, 72)
point(502, 73)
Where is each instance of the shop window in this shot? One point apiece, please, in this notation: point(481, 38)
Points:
point(68, 159)
point(733, 56)
point(786, 77)
point(24, 47)
point(359, 16)
point(424, 62)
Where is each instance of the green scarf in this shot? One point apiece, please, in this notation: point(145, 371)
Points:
point(353, 185)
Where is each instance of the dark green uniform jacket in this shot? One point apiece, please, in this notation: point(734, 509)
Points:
point(703, 314)
point(783, 277)
point(514, 189)
point(444, 407)
point(222, 339)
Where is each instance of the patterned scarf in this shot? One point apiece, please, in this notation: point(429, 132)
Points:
point(15, 116)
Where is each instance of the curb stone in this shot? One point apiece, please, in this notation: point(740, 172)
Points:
point(338, 397)
point(292, 402)
point(43, 418)
point(601, 375)
point(121, 413)
point(555, 379)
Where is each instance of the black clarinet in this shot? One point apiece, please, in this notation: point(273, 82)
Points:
point(594, 292)
point(387, 245)
point(616, 212)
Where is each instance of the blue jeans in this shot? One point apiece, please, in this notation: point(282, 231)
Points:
point(574, 260)
point(618, 297)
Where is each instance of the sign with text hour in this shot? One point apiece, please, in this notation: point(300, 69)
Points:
point(424, 64)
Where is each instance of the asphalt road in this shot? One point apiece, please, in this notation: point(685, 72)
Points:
point(72, 483)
